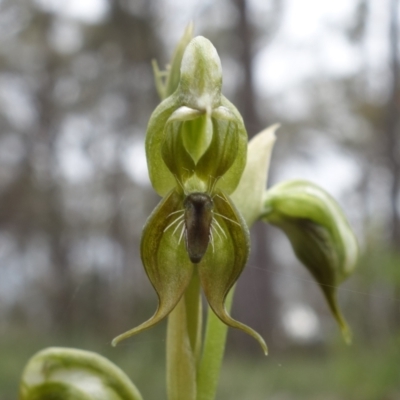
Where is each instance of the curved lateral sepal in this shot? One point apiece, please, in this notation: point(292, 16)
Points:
point(221, 313)
point(165, 261)
point(331, 298)
point(220, 269)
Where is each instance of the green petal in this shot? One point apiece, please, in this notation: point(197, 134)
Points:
point(199, 149)
point(223, 149)
point(319, 233)
point(165, 260)
point(160, 176)
point(197, 135)
point(221, 267)
point(174, 152)
point(231, 178)
point(248, 196)
point(69, 374)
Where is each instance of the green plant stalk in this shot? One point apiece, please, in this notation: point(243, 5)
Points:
point(192, 374)
point(184, 344)
point(253, 181)
point(213, 353)
point(185, 364)
point(194, 362)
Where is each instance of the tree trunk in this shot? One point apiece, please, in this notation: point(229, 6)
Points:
point(256, 303)
point(392, 125)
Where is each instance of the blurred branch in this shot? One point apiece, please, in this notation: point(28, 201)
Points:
point(246, 59)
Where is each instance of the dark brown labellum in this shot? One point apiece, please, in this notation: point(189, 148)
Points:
point(198, 217)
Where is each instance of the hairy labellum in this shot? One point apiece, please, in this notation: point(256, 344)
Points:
point(198, 218)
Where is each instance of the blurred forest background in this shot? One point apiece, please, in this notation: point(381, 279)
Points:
point(76, 92)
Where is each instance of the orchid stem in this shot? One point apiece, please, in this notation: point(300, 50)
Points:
point(213, 353)
point(184, 344)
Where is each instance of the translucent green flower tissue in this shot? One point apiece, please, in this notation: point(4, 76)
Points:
point(196, 136)
point(70, 374)
point(166, 254)
point(196, 148)
point(319, 233)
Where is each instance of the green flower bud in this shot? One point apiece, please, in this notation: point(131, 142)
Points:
point(319, 233)
point(70, 374)
point(196, 137)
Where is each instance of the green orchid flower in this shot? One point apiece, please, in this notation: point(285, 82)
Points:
point(319, 233)
point(213, 186)
point(196, 147)
point(315, 225)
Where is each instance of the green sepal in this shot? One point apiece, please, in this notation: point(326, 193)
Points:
point(159, 79)
point(319, 233)
point(164, 259)
point(174, 72)
point(222, 266)
point(66, 374)
point(223, 149)
point(201, 75)
point(167, 81)
point(160, 176)
point(231, 178)
point(204, 145)
point(174, 152)
point(248, 196)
